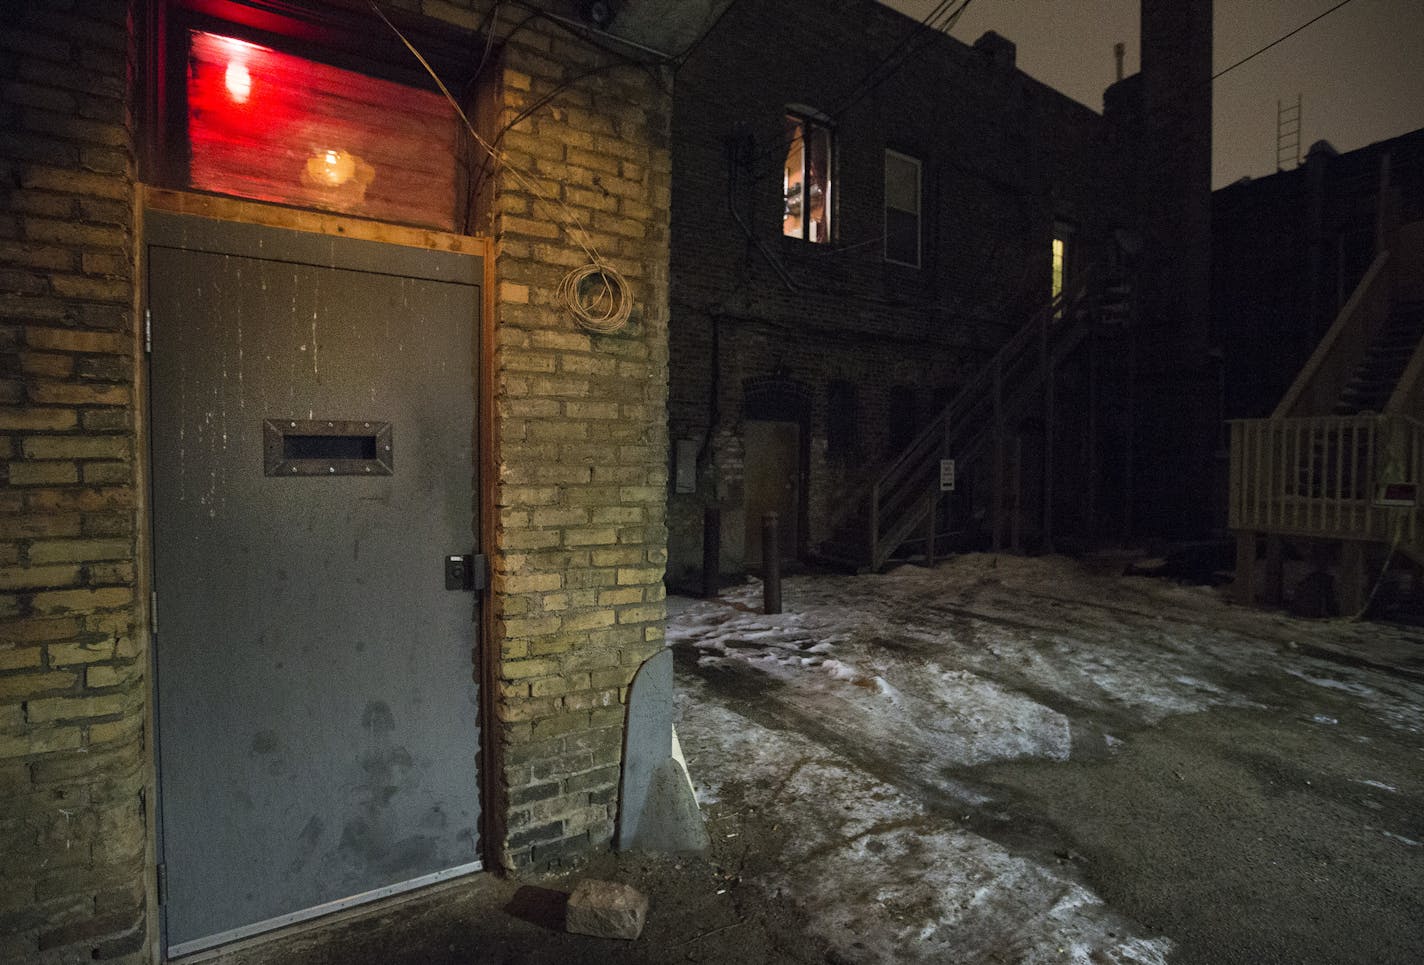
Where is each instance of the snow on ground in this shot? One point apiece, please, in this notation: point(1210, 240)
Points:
point(974, 636)
point(981, 659)
point(893, 883)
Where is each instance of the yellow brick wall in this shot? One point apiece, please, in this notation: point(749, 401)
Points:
point(72, 752)
point(580, 440)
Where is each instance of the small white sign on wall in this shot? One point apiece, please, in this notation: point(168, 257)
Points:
point(946, 475)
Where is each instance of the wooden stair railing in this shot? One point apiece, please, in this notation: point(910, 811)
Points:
point(1318, 387)
point(904, 495)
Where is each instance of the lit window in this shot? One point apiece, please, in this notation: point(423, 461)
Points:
point(271, 126)
point(1062, 234)
point(806, 180)
point(902, 209)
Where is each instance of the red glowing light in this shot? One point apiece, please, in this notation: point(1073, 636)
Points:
point(272, 126)
point(239, 82)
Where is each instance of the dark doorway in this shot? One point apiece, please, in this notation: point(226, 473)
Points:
point(773, 474)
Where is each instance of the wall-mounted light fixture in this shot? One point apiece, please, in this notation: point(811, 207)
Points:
point(599, 13)
point(239, 81)
point(331, 168)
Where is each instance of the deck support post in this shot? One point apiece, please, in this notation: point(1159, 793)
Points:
point(1274, 584)
point(1244, 587)
point(1353, 588)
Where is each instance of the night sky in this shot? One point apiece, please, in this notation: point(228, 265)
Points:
point(1359, 71)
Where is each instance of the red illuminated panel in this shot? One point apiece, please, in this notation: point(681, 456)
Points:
point(275, 127)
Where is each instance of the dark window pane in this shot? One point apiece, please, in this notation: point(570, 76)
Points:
point(902, 236)
point(903, 418)
point(841, 415)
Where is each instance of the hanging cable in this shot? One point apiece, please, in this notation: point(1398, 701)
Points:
point(941, 19)
point(1279, 40)
point(596, 295)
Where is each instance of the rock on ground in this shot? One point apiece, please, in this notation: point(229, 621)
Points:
point(606, 909)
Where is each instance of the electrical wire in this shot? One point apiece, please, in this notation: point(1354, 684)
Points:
point(604, 307)
point(691, 48)
point(1279, 40)
point(599, 305)
point(590, 35)
point(939, 20)
point(891, 64)
point(1384, 571)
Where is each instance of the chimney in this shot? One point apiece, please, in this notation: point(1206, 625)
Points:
point(1180, 422)
point(1001, 51)
point(1119, 52)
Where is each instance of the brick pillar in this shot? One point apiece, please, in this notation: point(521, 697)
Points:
point(578, 540)
point(72, 709)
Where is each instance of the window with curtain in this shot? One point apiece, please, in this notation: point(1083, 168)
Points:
point(806, 180)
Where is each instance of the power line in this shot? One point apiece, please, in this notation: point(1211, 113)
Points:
point(1279, 40)
point(937, 22)
point(864, 87)
point(687, 53)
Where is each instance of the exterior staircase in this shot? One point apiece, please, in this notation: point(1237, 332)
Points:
point(1378, 373)
point(898, 514)
point(1338, 467)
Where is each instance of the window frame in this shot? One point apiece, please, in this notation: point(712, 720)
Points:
point(811, 120)
point(919, 212)
point(1060, 266)
point(332, 34)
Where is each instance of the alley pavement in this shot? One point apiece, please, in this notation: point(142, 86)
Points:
point(998, 760)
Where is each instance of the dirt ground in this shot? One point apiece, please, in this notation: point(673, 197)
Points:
point(999, 761)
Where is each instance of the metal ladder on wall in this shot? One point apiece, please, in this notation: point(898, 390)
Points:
point(1288, 135)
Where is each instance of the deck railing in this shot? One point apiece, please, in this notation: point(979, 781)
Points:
point(1329, 477)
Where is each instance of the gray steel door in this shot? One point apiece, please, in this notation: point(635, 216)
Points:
point(313, 464)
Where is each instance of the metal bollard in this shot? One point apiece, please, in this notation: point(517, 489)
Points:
point(711, 551)
point(770, 564)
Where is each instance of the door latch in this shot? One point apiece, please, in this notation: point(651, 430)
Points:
point(467, 573)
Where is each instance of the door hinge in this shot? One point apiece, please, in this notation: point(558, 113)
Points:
point(153, 613)
point(479, 570)
point(162, 877)
point(148, 331)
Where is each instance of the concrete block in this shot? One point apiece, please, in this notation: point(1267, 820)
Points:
point(606, 909)
point(657, 809)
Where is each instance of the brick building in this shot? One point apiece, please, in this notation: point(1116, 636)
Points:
point(854, 249)
point(245, 240)
point(1318, 298)
point(1292, 248)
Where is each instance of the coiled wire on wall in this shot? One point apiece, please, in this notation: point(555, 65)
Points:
point(596, 294)
point(598, 298)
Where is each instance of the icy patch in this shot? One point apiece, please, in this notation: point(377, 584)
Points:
point(1394, 703)
point(890, 882)
point(1356, 690)
point(1381, 785)
point(1399, 837)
